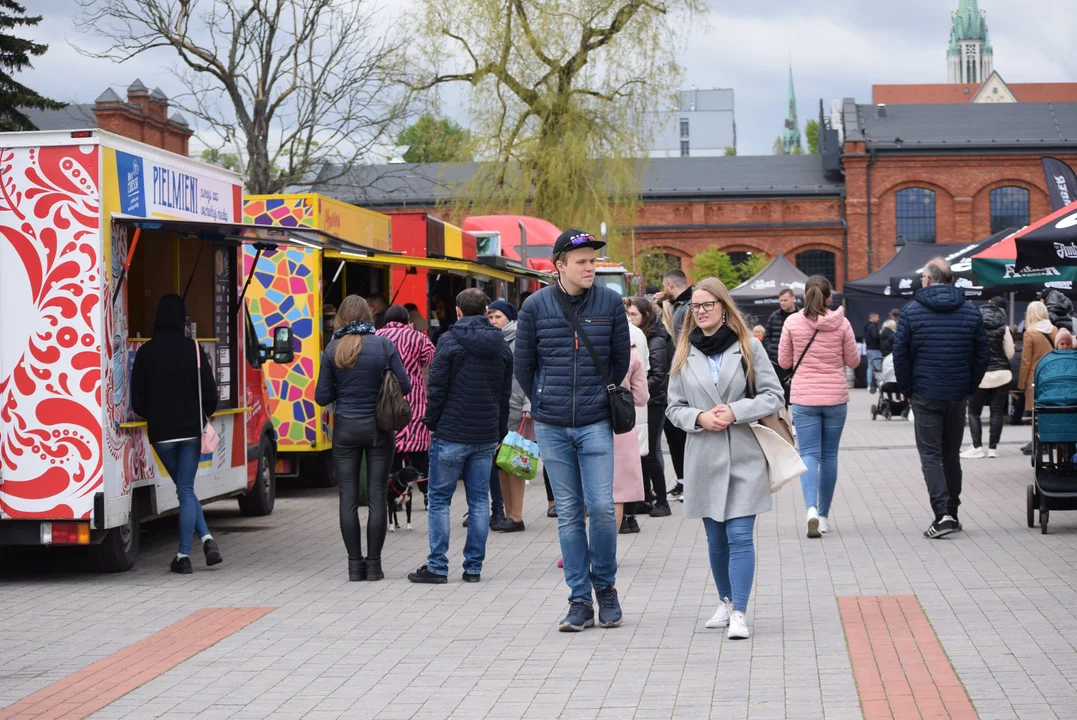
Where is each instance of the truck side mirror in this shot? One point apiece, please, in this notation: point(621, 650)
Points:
point(283, 344)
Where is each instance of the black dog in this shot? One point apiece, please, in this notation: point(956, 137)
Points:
point(399, 494)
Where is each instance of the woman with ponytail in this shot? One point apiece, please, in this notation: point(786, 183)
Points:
point(351, 377)
point(720, 382)
point(817, 343)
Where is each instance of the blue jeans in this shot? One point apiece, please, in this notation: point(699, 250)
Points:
point(818, 435)
point(448, 461)
point(579, 462)
point(497, 498)
point(872, 355)
point(732, 554)
point(181, 462)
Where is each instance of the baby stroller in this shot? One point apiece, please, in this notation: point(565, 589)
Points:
point(1054, 437)
point(890, 400)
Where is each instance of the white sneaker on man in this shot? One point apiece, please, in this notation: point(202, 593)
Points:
point(824, 524)
point(813, 523)
point(992, 452)
point(720, 618)
point(974, 453)
point(738, 627)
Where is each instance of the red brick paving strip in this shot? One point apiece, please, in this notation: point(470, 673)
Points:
point(85, 692)
point(901, 669)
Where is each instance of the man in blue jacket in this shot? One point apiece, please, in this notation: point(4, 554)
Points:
point(940, 357)
point(467, 411)
point(570, 407)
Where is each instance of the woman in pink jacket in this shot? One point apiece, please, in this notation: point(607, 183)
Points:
point(817, 343)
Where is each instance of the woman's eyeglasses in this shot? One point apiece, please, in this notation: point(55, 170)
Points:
point(703, 306)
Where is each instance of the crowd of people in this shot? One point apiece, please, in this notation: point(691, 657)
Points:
point(697, 373)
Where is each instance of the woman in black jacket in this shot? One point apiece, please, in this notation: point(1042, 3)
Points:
point(351, 376)
point(165, 384)
point(641, 314)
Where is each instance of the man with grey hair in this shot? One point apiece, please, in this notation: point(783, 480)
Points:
point(940, 357)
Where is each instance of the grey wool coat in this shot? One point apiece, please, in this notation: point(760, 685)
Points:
point(725, 472)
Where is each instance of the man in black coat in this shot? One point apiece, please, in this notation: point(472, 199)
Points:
point(788, 306)
point(467, 411)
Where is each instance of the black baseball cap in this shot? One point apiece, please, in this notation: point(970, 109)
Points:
point(573, 239)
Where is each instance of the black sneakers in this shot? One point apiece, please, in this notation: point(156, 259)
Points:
point(609, 608)
point(213, 553)
point(551, 511)
point(508, 525)
point(661, 510)
point(677, 490)
point(471, 577)
point(580, 615)
point(181, 566)
point(941, 527)
point(629, 525)
point(424, 576)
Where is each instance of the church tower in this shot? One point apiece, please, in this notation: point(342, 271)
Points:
point(791, 131)
point(969, 57)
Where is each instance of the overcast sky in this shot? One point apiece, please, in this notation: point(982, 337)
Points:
point(838, 48)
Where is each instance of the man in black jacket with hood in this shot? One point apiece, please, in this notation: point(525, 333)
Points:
point(467, 411)
point(787, 302)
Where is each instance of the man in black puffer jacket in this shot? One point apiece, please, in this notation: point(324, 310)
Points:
point(467, 411)
point(1059, 309)
point(940, 357)
point(788, 307)
point(570, 406)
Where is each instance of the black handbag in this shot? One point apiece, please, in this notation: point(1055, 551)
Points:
point(393, 411)
point(622, 404)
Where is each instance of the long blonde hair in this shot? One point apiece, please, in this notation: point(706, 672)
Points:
point(666, 313)
point(1035, 313)
point(353, 308)
point(733, 319)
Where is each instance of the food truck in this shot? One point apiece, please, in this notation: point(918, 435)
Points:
point(94, 230)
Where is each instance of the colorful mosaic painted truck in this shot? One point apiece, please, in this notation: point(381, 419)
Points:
point(94, 229)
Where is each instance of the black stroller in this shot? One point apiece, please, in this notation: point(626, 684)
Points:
point(890, 400)
point(1054, 437)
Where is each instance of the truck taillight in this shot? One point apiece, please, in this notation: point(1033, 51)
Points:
point(65, 533)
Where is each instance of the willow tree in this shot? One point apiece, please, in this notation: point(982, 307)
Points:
point(562, 97)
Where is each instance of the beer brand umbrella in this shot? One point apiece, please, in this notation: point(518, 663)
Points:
point(1050, 242)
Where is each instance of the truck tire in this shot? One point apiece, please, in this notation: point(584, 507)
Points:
point(259, 500)
point(319, 472)
point(118, 551)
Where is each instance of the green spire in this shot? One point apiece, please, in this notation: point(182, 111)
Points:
point(969, 22)
point(791, 131)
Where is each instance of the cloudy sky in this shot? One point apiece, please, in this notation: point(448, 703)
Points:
point(838, 48)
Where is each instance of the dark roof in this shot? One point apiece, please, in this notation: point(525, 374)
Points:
point(72, 117)
point(158, 94)
point(137, 86)
point(1033, 126)
point(405, 184)
point(109, 96)
point(778, 275)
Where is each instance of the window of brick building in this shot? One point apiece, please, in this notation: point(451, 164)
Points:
point(1009, 208)
point(818, 262)
point(737, 257)
point(916, 215)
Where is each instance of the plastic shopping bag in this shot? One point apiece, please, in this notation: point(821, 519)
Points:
point(518, 455)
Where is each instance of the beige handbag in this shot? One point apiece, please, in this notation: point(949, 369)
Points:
point(775, 437)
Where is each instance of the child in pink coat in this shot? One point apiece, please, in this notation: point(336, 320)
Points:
point(818, 342)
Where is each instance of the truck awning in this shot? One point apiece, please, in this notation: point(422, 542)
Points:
point(453, 267)
point(247, 234)
point(515, 269)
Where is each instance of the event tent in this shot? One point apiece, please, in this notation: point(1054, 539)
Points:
point(763, 287)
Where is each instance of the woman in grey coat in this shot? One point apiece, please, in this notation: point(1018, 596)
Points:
point(503, 315)
point(711, 398)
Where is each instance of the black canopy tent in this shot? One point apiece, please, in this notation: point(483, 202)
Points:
point(960, 259)
point(1050, 242)
point(757, 297)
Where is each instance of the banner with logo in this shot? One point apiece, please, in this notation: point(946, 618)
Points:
point(1061, 182)
point(153, 187)
point(1049, 242)
point(1000, 265)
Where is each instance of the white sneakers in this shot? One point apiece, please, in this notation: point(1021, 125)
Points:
point(721, 615)
point(974, 453)
point(824, 524)
point(813, 523)
point(738, 627)
point(992, 453)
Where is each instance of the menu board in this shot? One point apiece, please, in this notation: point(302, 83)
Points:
point(222, 318)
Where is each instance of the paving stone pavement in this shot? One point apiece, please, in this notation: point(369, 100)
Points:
point(1000, 597)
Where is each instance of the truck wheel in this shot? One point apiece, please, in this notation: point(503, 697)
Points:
point(320, 472)
point(259, 500)
point(117, 552)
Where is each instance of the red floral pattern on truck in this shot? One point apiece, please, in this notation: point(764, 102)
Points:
point(50, 352)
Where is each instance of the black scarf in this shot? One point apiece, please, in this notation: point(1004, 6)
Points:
point(715, 344)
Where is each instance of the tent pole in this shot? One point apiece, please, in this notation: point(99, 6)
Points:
point(1013, 297)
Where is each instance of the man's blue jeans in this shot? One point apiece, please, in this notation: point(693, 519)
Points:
point(818, 436)
point(872, 355)
point(181, 462)
point(732, 555)
point(448, 461)
point(579, 462)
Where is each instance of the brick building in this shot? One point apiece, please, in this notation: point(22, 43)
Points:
point(143, 116)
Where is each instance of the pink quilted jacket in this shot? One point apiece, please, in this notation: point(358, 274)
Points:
point(820, 381)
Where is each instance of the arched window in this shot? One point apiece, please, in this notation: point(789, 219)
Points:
point(916, 215)
point(818, 262)
point(1009, 208)
point(737, 257)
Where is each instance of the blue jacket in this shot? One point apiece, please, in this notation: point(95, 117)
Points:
point(555, 370)
point(470, 384)
point(941, 349)
point(355, 389)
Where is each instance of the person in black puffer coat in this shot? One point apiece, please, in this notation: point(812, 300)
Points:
point(351, 377)
point(772, 339)
point(940, 357)
point(1060, 310)
point(994, 388)
point(660, 347)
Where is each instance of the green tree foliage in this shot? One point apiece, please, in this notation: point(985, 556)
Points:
point(430, 139)
point(561, 97)
point(811, 132)
point(226, 160)
point(653, 266)
point(730, 151)
point(15, 56)
point(750, 267)
point(712, 262)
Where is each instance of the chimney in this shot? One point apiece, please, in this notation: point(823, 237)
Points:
point(138, 95)
point(158, 105)
point(144, 117)
point(881, 110)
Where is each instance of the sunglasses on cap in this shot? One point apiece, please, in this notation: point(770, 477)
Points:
point(581, 239)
